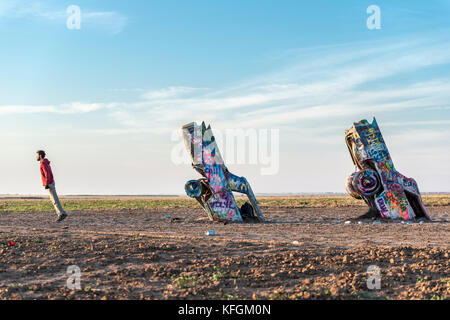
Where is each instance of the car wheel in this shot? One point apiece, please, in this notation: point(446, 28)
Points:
point(366, 182)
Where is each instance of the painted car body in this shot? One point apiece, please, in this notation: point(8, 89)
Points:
point(214, 191)
point(376, 180)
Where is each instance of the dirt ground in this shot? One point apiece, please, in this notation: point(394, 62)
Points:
point(299, 253)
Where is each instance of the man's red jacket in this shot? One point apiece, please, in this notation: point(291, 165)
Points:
point(46, 172)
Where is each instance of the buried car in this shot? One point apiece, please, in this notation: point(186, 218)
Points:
point(388, 193)
point(214, 191)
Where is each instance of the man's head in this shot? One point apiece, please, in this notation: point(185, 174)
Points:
point(40, 154)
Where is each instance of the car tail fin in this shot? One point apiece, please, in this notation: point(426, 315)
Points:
point(416, 204)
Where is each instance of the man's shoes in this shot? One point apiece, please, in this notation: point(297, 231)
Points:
point(61, 217)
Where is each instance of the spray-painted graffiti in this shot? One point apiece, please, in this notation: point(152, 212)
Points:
point(383, 208)
point(216, 195)
point(376, 179)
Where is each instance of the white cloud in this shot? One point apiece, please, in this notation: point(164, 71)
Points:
point(66, 108)
point(18, 109)
point(169, 92)
point(111, 22)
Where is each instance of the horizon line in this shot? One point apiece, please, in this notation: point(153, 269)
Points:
point(39, 196)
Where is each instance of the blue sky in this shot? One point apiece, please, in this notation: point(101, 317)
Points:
point(105, 100)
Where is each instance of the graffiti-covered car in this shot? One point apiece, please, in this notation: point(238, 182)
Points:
point(214, 191)
point(387, 192)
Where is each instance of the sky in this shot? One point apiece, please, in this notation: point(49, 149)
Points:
point(107, 101)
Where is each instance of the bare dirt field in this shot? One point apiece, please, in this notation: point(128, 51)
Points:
point(299, 253)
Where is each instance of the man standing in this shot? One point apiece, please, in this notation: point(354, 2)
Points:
point(49, 184)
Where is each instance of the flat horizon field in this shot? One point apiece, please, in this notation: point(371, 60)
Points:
point(310, 247)
point(30, 204)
